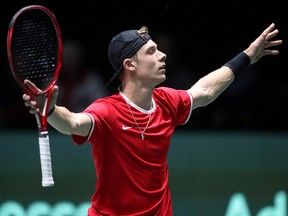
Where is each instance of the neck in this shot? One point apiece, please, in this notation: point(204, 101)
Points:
point(142, 97)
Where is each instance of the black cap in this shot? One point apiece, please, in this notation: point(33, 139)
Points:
point(124, 45)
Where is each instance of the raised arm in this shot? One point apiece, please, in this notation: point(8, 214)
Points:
point(209, 87)
point(61, 118)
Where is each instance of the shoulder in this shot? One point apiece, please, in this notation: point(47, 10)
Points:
point(167, 92)
point(104, 105)
point(163, 91)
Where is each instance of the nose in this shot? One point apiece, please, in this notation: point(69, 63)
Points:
point(162, 56)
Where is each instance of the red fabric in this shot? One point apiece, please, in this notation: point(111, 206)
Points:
point(132, 174)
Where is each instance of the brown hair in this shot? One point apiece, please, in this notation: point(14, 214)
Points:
point(143, 30)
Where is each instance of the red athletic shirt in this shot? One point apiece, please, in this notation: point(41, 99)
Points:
point(132, 173)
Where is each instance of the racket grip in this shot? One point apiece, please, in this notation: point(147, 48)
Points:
point(45, 159)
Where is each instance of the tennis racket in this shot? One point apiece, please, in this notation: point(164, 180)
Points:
point(34, 48)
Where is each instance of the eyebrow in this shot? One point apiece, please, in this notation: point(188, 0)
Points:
point(150, 46)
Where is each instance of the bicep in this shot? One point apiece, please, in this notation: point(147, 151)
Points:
point(83, 124)
point(209, 87)
point(198, 95)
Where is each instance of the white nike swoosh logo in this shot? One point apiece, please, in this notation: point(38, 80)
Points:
point(125, 127)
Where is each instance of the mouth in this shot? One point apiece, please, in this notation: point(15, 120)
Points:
point(163, 66)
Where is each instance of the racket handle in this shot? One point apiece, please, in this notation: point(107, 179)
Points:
point(45, 159)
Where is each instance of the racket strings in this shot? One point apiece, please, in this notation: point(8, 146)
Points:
point(35, 48)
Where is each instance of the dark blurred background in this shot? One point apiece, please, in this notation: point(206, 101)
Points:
point(197, 37)
point(231, 160)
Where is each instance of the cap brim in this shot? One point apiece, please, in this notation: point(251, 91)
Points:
point(114, 81)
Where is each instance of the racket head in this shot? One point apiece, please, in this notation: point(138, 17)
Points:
point(34, 48)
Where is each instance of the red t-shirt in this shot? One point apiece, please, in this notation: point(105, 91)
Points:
point(132, 173)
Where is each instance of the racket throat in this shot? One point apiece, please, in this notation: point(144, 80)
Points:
point(41, 123)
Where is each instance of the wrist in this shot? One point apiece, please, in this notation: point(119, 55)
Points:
point(238, 63)
point(51, 111)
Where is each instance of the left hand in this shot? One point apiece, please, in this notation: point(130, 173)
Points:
point(258, 48)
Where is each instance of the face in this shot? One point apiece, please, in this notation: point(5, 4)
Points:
point(150, 64)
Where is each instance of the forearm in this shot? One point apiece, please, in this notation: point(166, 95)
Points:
point(209, 87)
point(63, 120)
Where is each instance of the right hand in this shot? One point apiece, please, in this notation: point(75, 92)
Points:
point(35, 102)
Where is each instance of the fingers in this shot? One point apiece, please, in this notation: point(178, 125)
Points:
point(54, 95)
point(273, 43)
point(270, 52)
point(55, 89)
point(32, 86)
point(26, 99)
point(28, 102)
point(268, 34)
point(269, 29)
point(271, 34)
point(35, 103)
point(260, 47)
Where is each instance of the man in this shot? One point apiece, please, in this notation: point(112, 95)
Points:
point(130, 131)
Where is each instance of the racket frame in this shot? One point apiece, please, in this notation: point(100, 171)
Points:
point(41, 118)
point(60, 48)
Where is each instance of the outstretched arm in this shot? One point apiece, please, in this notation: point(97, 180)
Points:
point(209, 87)
point(61, 118)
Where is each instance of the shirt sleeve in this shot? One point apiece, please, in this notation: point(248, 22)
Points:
point(179, 102)
point(80, 139)
point(99, 114)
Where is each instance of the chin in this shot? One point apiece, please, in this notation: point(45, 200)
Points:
point(163, 78)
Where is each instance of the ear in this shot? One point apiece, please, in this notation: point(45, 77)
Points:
point(129, 64)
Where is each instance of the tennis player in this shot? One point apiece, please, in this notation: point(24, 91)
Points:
point(130, 131)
